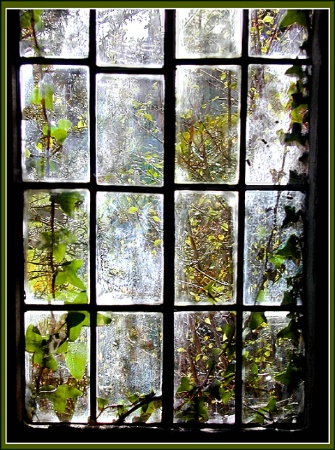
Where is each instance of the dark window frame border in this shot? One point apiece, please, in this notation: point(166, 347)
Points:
point(316, 287)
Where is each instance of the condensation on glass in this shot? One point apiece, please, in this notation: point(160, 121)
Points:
point(205, 357)
point(130, 127)
point(274, 155)
point(269, 37)
point(57, 377)
point(207, 124)
point(56, 245)
point(54, 33)
point(274, 247)
point(129, 248)
point(208, 33)
point(130, 37)
point(205, 247)
point(55, 141)
point(273, 368)
point(129, 365)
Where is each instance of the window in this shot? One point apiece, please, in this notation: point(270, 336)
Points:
point(167, 168)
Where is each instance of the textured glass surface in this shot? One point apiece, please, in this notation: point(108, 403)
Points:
point(204, 367)
point(273, 248)
point(129, 248)
point(129, 367)
point(205, 248)
point(130, 124)
point(205, 33)
point(269, 37)
point(55, 142)
point(60, 33)
point(57, 366)
point(273, 368)
point(275, 109)
point(130, 37)
point(207, 119)
point(56, 240)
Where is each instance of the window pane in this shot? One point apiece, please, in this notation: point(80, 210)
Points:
point(205, 367)
point(207, 111)
point(56, 246)
point(129, 366)
point(55, 142)
point(277, 125)
point(205, 259)
point(57, 366)
point(130, 129)
point(59, 33)
point(273, 368)
point(273, 248)
point(278, 33)
point(205, 33)
point(130, 37)
point(130, 248)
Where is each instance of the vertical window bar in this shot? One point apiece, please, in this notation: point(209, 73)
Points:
point(168, 190)
point(241, 218)
point(92, 220)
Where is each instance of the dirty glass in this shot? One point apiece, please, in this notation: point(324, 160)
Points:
point(274, 248)
point(205, 367)
point(279, 33)
point(205, 247)
point(130, 128)
point(208, 33)
point(54, 33)
point(129, 248)
point(277, 124)
point(130, 37)
point(207, 124)
point(56, 243)
point(54, 127)
point(57, 366)
point(129, 367)
point(273, 368)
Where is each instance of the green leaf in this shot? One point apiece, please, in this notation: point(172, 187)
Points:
point(292, 377)
point(59, 134)
point(59, 252)
point(102, 319)
point(256, 319)
point(80, 298)
point(185, 385)
point(64, 124)
point(290, 248)
point(34, 340)
point(228, 330)
point(102, 402)
point(293, 16)
point(68, 201)
point(291, 216)
point(61, 395)
point(75, 321)
point(48, 96)
point(201, 408)
point(216, 351)
point(261, 296)
point(288, 299)
point(67, 274)
point(36, 96)
point(76, 359)
point(50, 362)
point(292, 331)
point(132, 210)
point(277, 260)
point(295, 71)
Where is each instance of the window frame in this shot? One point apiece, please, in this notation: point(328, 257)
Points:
point(317, 282)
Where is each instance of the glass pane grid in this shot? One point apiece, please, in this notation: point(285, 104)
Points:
point(221, 351)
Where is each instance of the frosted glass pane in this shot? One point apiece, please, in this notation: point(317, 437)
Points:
point(57, 366)
point(130, 37)
point(60, 33)
point(207, 116)
point(273, 368)
point(205, 247)
point(205, 367)
point(205, 33)
point(130, 124)
point(129, 367)
point(55, 142)
point(272, 156)
point(129, 248)
point(269, 39)
point(273, 248)
point(56, 240)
